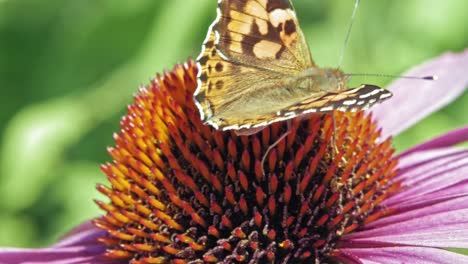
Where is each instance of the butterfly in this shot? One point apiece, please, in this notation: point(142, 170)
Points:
point(255, 68)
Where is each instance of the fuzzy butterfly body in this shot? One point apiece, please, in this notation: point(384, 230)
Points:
point(255, 68)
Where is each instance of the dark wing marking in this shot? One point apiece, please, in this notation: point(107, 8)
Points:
point(351, 100)
point(262, 33)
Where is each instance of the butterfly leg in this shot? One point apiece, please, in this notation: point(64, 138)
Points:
point(333, 139)
point(274, 145)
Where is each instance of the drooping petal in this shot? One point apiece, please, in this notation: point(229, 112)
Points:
point(413, 100)
point(398, 255)
point(449, 139)
point(79, 246)
point(85, 233)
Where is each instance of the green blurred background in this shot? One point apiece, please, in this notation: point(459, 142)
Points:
point(68, 68)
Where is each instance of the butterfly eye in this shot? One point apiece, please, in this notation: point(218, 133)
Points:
point(342, 82)
point(334, 81)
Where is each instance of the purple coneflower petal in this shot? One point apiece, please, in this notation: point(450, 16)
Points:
point(79, 246)
point(421, 209)
point(413, 159)
point(390, 255)
point(430, 210)
point(449, 139)
point(86, 233)
point(427, 181)
point(413, 100)
point(432, 167)
point(446, 229)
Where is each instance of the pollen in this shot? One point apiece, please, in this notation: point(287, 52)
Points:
point(180, 191)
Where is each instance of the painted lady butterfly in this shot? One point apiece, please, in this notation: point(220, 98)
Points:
point(256, 68)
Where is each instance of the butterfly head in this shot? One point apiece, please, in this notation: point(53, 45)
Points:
point(333, 80)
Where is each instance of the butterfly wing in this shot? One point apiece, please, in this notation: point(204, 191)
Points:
point(263, 33)
point(248, 60)
point(227, 91)
point(351, 100)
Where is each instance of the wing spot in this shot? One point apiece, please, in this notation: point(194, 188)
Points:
point(266, 49)
point(375, 92)
point(312, 110)
point(279, 16)
point(289, 27)
point(349, 102)
point(262, 26)
point(209, 44)
point(203, 60)
point(210, 86)
point(362, 96)
point(385, 95)
point(219, 67)
point(200, 97)
point(219, 84)
point(203, 77)
point(326, 109)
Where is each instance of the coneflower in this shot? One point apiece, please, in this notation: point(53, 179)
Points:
point(182, 192)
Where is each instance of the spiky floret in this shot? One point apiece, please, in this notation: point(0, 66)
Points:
point(181, 192)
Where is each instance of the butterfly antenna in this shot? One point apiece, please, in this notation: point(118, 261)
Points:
point(348, 33)
point(428, 78)
point(274, 145)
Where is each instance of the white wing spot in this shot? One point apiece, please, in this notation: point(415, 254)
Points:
point(362, 96)
point(375, 92)
point(279, 16)
point(385, 95)
point(325, 109)
point(312, 110)
point(350, 102)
